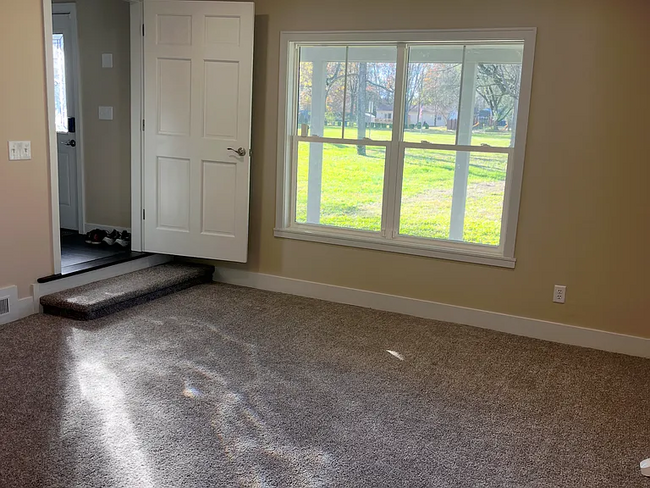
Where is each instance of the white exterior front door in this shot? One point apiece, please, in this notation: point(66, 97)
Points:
point(198, 59)
point(65, 86)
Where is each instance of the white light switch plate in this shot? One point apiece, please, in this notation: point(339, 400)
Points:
point(105, 113)
point(20, 150)
point(107, 60)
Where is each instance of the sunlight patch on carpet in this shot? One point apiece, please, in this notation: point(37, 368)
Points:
point(101, 388)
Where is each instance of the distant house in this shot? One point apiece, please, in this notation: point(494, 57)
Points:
point(428, 115)
point(482, 118)
point(384, 114)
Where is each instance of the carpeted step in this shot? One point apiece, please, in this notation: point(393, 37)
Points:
point(105, 297)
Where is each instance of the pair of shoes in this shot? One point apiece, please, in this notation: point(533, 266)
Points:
point(120, 238)
point(98, 236)
point(124, 240)
point(95, 237)
point(111, 238)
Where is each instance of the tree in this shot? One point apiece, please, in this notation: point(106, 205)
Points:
point(334, 88)
point(434, 85)
point(353, 90)
point(304, 92)
point(414, 87)
point(442, 87)
point(362, 106)
point(498, 86)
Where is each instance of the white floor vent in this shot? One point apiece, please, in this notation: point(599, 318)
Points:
point(11, 307)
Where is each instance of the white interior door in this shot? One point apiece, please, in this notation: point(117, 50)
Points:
point(198, 58)
point(65, 86)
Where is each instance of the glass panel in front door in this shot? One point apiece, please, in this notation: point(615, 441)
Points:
point(60, 99)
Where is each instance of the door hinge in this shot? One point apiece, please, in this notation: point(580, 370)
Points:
point(142, 30)
point(143, 214)
point(143, 125)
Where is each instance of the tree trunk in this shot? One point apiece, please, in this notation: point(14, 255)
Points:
point(361, 106)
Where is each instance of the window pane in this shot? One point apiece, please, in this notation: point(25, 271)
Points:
point(497, 76)
point(428, 191)
point(370, 93)
point(486, 184)
point(60, 99)
point(321, 87)
point(339, 187)
point(432, 94)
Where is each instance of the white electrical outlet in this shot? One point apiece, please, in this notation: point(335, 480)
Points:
point(20, 150)
point(559, 293)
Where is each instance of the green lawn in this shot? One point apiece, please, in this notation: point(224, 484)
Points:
point(352, 186)
point(438, 135)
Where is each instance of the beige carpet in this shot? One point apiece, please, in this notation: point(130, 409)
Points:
point(224, 386)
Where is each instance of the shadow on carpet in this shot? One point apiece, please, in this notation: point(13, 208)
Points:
point(226, 386)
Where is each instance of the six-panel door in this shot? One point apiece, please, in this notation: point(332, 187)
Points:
point(198, 78)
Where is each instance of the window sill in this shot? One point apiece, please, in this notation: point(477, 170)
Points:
point(380, 244)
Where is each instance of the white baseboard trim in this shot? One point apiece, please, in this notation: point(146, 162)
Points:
point(25, 307)
point(511, 324)
point(19, 308)
point(42, 289)
point(108, 228)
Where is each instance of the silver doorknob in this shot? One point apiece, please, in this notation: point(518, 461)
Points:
point(240, 152)
point(71, 143)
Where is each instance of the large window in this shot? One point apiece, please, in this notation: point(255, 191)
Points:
point(406, 142)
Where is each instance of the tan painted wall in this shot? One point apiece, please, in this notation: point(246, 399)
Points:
point(588, 126)
point(103, 27)
point(25, 231)
point(585, 210)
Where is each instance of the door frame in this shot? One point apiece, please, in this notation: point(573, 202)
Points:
point(53, 160)
point(48, 10)
point(137, 117)
point(137, 121)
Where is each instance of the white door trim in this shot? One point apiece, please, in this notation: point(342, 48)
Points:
point(53, 163)
point(137, 110)
point(53, 159)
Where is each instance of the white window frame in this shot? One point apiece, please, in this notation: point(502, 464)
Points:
point(286, 227)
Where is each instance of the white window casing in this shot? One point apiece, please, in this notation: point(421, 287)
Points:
point(329, 45)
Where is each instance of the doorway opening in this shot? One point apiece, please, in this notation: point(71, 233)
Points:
point(91, 116)
point(186, 191)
